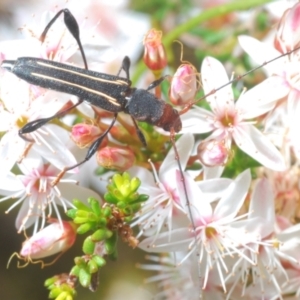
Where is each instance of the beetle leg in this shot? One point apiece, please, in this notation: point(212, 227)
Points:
point(91, 151)
point(34, 125)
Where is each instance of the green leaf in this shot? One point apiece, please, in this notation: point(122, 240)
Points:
point(84, 277)
point(88, 246)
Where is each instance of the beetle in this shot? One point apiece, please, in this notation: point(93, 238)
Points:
point(110, 92)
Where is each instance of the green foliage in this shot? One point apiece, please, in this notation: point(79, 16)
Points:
point(122, 192)
point(104, 221)
point(159, 9)
point(59, 288)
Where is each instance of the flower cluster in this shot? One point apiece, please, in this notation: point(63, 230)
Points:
point(217, 203)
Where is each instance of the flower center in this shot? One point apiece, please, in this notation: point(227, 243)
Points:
point(21, 121)
point(228, 120)
point(210, 232)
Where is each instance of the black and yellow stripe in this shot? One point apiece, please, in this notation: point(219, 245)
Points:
point(102, 90)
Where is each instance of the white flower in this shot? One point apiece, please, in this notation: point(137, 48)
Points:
point(265, 268)
point(38, 197)
point(284, 73)
point(164, 203)
point(17, 109)
point(219, 233)
point(228, 120)
point(180, 281)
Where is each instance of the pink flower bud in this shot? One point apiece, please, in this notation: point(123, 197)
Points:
point(84, 134)
point(212, 153)
point(288, 30)
point(120, 159)
point(184, 85)
point(50, 240)
point(155, 55)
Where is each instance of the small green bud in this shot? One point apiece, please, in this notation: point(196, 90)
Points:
point(106, 211)
point(118, 180)
point(121, 204)
point(143, 198)
point(102, 222)
point(69, 297)
point(54, 292)
point(110, 198)
point(63, 296)
point(50, 281)
point(95, 205)
point(79, 261)
point(79, 220)
point(82, 213)
point(100, 261)
point(101, 234)
point(88, 246)
point(84, 277)
point(134, 184)
point(75, 271)
point(79, 205)
point(71, 213)
point(83, 228)
point(93, 267)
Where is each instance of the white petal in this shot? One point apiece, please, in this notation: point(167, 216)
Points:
point(30, 211)
point(262, 98)
point(290, 239)
point(86, 109)
point(184, 147)
point(179, 241)
point(5, 120)
point(197, 120)
point(262, 201)
point(9, 184)
point(56, 150)
point(21, 47)
point(214, 76)
point(15, 94)
point(262, 205)
point(212, 172)
point(200, 208)
point(32, 161)
point(214, 188)
point(256, 145)
point(233, 197)
point(72, 191)
point(261, 53)
point(143, 174)
point(11, 148)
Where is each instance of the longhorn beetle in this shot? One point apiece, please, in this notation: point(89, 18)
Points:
point(110, 92)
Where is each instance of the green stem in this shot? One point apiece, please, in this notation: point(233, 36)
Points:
point(217, 11)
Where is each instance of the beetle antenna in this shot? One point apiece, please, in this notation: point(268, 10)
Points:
point(236, 78)
point(73, 28)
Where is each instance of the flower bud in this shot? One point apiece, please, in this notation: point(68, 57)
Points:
point(184, 85)
point(50, 240)
point(155, 56)
point(212, 153)
point(288, 31)
point(120, 159)
point(84, 134)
